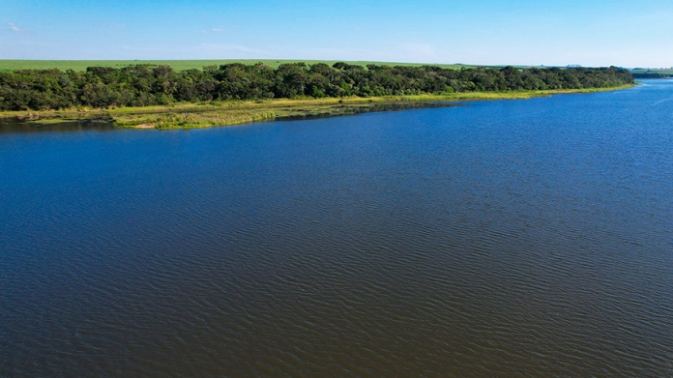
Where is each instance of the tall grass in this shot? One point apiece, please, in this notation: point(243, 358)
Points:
point(223, 113)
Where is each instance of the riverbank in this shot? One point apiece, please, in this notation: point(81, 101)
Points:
point(225, 113)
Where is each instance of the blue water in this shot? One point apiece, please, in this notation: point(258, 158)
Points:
point(528, 238)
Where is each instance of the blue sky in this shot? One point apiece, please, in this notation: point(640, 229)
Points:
point(551, 32)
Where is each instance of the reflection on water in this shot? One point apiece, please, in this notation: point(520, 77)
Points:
point(13, 125)
point(510, 238)
point(371, 108)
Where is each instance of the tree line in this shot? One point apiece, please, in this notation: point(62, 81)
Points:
point(651, 75)
point(145, 85)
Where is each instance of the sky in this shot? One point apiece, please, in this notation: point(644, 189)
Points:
point(487, 32)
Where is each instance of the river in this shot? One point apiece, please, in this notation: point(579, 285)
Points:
point(525, 238)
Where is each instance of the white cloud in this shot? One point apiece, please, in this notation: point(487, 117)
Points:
point(214, 30)
point(14, 28)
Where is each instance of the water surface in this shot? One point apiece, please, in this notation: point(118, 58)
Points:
point(529, 238)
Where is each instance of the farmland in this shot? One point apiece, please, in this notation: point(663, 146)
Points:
point(177, 65)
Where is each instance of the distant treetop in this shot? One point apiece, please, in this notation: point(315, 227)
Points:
point(145, 84)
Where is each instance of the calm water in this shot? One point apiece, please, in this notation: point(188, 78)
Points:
point(511, 239)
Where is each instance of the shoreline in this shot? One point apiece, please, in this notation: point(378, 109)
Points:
point(236, 112)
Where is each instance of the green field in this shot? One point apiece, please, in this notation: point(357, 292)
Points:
point(178, 65)
point(181, 65)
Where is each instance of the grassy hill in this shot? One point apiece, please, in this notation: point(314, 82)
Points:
point(178, 65)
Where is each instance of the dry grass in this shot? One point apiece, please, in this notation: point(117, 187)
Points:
point(187, 115)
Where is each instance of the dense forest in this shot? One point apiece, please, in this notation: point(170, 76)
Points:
point(143, 85)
